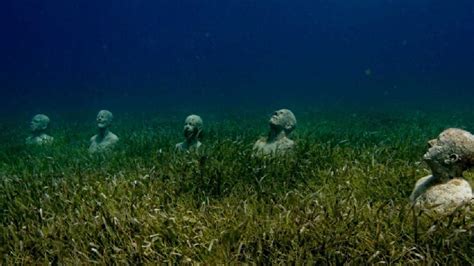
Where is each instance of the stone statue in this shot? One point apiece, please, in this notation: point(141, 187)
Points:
point(282, 123)
point(449, 156)
point(192, 133)
point(105, 140)
point(39, 125)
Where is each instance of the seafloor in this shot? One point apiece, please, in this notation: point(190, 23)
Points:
point(342, 197)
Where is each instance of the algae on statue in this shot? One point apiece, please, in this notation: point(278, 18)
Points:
point(38, 126)
point(192, 134)
point(281, 124)
point(105, 140)
point(449, 156)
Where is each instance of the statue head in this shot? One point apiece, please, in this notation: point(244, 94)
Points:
point(192, 127)
point(39, 123)
point(451, 153)
point(104, 119)
point(283, 119)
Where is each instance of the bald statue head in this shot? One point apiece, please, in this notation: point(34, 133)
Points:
point(283, 119)
point(192, 131)
point(451, 153)
point(38, 126)
point(104, 119)
point(192, 127)
point(39, 123)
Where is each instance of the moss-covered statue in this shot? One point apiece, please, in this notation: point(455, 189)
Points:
point(449, 156)
point(282, 123)
point(192, 133)
point(39, 125)
point(105, 140)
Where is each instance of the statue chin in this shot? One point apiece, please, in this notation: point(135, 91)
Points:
point(274, 126)
point(188, 134)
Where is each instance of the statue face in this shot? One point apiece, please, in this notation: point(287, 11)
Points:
point(104, 119)
point(446, 154)
point(192, 126)
point(39, 123)
point(283, 119)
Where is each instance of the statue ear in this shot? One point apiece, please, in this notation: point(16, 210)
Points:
point(453, 158)
point(288, 127)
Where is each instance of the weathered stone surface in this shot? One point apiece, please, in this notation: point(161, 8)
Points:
point(449, 156)
point(192, 131)
point(105, 140)
point(39, 125)
point(282, 123)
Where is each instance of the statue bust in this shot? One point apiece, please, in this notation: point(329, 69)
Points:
point(448, 157)
point(38, 126)
point(105, 140)
point(192, 133)
point(281, 124)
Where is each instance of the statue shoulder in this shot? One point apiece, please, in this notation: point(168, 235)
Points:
point(289, 142)
point(198, 145)
point(179, 146)
point(421, 185)
point(443, 197)
point(458, 187)
point(48, 139)
point(286, 143)
point(112, 137)
point(260, 142)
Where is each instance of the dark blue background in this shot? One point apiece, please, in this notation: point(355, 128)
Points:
point(80, 53)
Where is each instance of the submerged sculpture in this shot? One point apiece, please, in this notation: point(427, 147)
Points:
point(449, 156)
point(282, 123)
point(39, 125)
point(105, 140)
point(192, 133)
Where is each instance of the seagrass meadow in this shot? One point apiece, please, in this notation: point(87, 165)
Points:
point(341, 197)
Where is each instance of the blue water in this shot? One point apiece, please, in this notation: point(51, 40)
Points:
point(137, 53)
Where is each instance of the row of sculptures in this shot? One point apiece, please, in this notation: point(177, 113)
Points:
point(448, 156)
point(103, 141)
point(282, 123)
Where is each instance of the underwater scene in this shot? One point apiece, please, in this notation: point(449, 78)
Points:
point(237, 132)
